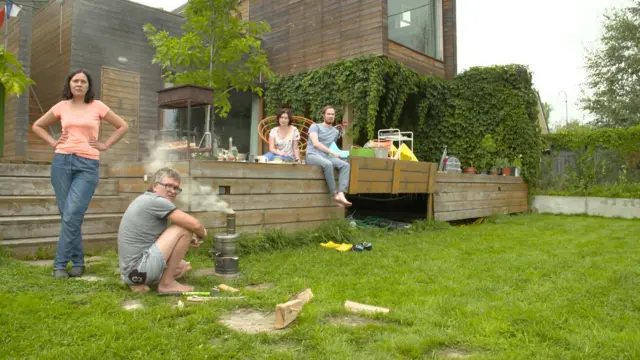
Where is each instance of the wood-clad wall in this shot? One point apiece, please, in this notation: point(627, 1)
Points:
point(103, 32)
point(416, 60)
point(289, 197)
point(11, 103)
point(309, 34)
point(121, 93)
point(50, 62)
point(463, 196)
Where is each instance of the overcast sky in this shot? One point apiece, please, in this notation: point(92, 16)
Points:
point(550, 36)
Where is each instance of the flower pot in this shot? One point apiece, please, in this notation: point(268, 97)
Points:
point(494, 172)
point(469, 170)
point(506, 171)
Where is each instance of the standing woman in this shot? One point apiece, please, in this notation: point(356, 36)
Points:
point(75, 167)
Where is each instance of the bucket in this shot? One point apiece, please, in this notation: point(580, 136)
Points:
point(381, 152)
point(381, 143)
point(226, 265)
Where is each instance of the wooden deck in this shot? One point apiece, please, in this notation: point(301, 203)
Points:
point(450, 196)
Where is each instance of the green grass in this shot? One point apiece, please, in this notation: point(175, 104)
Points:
point(523, 287)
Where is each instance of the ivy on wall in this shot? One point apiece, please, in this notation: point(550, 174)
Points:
point(497, 101)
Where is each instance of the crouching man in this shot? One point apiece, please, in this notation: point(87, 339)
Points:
point(150, 251)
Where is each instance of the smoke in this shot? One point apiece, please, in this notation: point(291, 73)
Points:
point(201, 197)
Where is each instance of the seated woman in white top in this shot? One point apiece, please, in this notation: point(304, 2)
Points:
point(283, 139)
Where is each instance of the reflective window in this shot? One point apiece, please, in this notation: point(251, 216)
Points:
point(417, 24)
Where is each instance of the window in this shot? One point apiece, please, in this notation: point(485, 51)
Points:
point(417, 24)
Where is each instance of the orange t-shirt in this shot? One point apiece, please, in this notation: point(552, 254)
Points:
point(80, 127)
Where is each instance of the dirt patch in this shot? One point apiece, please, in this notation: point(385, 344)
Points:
point(90, 278)
point(131, 304)
point(353, 320)
point(204, 272)
point(40, 263)
point(451, 354)
point(259, 287)
point(250, 321)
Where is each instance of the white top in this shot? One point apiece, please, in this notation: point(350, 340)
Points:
point(285, 144)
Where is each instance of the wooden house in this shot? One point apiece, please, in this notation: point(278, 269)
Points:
point(104, 38)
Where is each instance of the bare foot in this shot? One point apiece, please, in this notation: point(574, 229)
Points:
point(340, 197)
point(182, 270)
point(338, 202)
point(174, 287)
point(141, 289)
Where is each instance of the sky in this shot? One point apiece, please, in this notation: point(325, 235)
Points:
point(549, 36)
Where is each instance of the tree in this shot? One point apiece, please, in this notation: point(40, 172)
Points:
point(217, 49)
point(13, 82)
point(547, 108)
point(613, 69)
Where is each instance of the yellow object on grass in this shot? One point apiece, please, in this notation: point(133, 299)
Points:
point(330, 245)
point(344, 247)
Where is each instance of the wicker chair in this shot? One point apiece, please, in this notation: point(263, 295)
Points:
point(303, 124)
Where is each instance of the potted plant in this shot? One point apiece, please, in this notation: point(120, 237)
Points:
point(485, 152)
point(516, 166)
point(503, 164)
point(471, 169)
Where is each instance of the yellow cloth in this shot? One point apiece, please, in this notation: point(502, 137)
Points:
point(405, 153)
point(330, 245)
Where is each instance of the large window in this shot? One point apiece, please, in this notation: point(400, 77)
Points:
point(417, 24)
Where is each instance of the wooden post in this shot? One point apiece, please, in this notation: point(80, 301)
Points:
point(347, 120)
point(354, 163)
point(431, 188)
point(395, 180)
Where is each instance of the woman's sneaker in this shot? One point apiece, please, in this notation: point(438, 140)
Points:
point(76, 271)
point(60, 274)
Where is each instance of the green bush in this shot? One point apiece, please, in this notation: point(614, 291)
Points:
point(606, 163)
point(497, 101)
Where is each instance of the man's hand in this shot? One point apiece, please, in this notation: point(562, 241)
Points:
point(195, 242)
point(337, 156)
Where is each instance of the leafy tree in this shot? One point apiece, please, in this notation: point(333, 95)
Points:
point(217, 49)
point(613, 94)
point(13, 82)
point(547, 111)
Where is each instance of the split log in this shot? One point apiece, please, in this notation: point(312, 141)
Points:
point(227, 288)
point(305, 296)
point(287, 312)
point(356, 307)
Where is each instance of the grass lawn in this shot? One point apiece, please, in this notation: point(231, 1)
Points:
point(522, 287)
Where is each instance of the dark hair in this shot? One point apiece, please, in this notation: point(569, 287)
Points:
point(280, 113)
point(66, 90)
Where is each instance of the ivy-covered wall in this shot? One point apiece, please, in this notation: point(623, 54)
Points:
point(497, 101)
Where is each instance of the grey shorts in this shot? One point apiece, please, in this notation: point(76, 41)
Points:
point(149, 270)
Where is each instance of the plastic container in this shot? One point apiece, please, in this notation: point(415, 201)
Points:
point(453, 165)
point(362, 152)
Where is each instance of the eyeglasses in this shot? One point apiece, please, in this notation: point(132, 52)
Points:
point(172, 187)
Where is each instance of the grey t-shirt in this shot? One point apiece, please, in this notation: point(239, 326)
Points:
point(141, 225)
point(326, 136)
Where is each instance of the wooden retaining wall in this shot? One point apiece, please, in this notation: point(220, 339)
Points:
point(463, 196)
point(263, 196)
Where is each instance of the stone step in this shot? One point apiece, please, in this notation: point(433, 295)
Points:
point(45, 247)
point(24, 227)
point(46, 205)
point(41, 186)
point(34, 170)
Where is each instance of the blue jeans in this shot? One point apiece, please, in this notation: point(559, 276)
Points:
point(74, 180)
point(328, 163)
point(271, 156)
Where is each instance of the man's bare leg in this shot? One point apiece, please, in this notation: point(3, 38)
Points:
point(182, 269)
point(173, 243)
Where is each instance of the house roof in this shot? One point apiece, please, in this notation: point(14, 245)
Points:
point(179, 9)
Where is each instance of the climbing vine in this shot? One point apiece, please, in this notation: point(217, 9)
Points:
point(498, 101)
